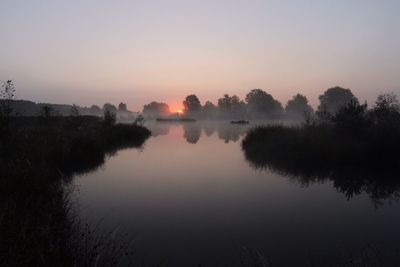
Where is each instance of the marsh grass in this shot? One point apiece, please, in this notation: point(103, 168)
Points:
point(358, 150)
point(38, 157)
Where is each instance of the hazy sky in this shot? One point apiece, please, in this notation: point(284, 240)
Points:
point(92, 51)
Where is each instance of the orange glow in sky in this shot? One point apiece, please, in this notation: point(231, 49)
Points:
point(175, 107)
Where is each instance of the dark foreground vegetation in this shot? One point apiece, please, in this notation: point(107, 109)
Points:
point(38, 156)
point(355, 147)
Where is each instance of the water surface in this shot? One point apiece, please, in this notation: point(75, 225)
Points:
point(190, 197)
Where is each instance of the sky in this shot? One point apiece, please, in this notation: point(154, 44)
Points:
point(95, 51)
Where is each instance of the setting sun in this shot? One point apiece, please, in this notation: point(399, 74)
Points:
point(179, 111)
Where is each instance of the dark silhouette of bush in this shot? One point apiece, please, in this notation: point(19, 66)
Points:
point(352, 118)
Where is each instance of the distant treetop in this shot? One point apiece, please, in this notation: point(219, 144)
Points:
point(192, 104)
point(122, 107)
point(260, 103)
point(334, 98)
point(156, 108)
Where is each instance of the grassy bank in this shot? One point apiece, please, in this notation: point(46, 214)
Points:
point(321, 147)
point(38, 156)
point(357, 149)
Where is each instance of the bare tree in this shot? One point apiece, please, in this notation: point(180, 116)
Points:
point(7, 94)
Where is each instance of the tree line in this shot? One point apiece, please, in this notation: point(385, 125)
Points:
point(29, 108)
point(352, 145)
point(258, 104)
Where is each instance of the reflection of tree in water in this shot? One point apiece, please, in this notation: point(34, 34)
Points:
point(381, 185)
point(231, 132)
point(227, 135)
point(209, 128)
point(192, 132)
point(226, 132)
point(159, 129)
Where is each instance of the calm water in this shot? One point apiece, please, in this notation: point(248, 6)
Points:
point(190, 197)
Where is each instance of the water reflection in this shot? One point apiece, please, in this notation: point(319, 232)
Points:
point(158, 129)
point(232, 133)
point(192, 132)
point(190, 198)
point(381, 185)
point(209, 128)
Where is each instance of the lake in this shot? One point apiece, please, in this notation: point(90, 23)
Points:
point(189, 197)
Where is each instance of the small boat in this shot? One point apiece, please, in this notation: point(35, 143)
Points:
point(240, 122)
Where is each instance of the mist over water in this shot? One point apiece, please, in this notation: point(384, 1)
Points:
point(190, 197)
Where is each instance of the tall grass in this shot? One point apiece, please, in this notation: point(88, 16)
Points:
point(38, 157)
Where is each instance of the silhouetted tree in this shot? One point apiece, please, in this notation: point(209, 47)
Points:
point(224, 103)
point(74, 110)
point(209, 110)
point(387, 102)
point(7, 93)
point(156, 109)
point(109, 117)
point(239, 109)
point(231, 106)
point(262, 104)
point(122, 107)
point(386, 110)
point(191, 104)
point(298, 107)
point(95, 108)
point(333, 99)
point(109, 107)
